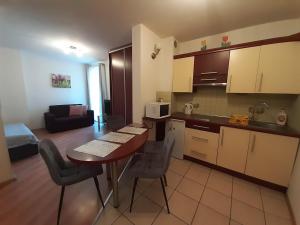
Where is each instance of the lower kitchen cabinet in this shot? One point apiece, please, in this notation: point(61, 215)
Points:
point(233, 148)
point(271, 157)
point(201, 145)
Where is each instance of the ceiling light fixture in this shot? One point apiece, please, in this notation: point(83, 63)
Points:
point(71, 48)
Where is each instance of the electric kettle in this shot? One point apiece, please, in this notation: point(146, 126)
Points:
point(188, 108)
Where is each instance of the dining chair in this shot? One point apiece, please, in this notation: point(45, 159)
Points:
point(153, 165)
point(65, 173)
point(115, 122)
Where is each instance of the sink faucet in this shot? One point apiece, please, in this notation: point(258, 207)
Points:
point(258, 108)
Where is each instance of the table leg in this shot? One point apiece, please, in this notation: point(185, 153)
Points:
point(98, 117)
point(114, 177)
point(108, 171)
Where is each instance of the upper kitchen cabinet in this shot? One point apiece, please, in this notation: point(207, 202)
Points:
point(183, 70)
point(242, 73)
point(279, 69)
point(211, 68)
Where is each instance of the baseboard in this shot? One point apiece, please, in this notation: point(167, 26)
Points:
point(239, 175)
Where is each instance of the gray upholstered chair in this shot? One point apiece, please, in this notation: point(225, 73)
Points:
point(115, 122)
point(153, 164)
point(65, 173)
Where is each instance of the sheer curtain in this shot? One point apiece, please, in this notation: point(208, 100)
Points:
point(97, 88)
point(94, 87)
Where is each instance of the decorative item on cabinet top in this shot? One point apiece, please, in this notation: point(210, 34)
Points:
point(225, 43)
point(203, 45)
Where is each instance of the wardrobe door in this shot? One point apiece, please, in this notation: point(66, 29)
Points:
point(128, 84)
point(117, 83)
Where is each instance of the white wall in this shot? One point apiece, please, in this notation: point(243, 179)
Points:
point(148, 75)
point(144, 69)
point(12, 90)
point(40, 94)
point(5, 166)
point(25, 86)
point(165, 69)
point(248, 34)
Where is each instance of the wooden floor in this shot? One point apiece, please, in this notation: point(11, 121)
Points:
point(33, 197)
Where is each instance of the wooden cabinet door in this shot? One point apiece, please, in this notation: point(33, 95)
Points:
point(233, 148)
point(183, 70)
point(121, 83)
point(279, 68)
point(117, 83)
point(242, 72)
point(201, 145)
point(128, 84)
point(211, 68)
point(271, 157)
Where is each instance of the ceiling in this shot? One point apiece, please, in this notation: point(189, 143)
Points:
point(100, 25)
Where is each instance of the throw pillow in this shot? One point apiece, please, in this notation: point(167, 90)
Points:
point(84, 110)
point(76, 110)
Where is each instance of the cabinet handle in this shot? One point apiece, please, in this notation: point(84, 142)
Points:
point(206, 73)
point(261, 80)
point(208, 79)
point(200, 139)
point(229, 86)
point(202, 127)
point(253, 143)
point(222, 137)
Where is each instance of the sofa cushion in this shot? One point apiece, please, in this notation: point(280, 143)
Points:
point(76, 110)
point(60, 110)
point(71, 119)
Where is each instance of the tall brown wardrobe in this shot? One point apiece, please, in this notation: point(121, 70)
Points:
point(120, 61)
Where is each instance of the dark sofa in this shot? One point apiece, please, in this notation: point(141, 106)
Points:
point(58, 119)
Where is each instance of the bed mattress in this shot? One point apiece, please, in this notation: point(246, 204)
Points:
point(19, 135)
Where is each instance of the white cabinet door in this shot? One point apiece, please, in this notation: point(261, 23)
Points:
point(271, 157)
point(242, 72)
point(178, 127)
point(233, 148)
point(279, 68)
point(183, 71)
point(202, 145)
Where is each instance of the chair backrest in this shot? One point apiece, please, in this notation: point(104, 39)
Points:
point(115, 122)
point(168, 146)
point(53, 159)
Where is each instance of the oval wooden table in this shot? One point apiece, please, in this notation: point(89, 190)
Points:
point(123, 151)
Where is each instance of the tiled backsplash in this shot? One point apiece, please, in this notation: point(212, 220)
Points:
point(215, 101)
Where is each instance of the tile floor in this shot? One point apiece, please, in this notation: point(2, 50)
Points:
point(198, 196)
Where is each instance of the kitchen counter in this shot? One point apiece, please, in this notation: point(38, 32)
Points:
point(224, 121)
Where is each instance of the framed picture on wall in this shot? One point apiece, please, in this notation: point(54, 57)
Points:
point(61, 81)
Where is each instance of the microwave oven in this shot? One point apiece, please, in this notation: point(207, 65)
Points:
point(157, 110)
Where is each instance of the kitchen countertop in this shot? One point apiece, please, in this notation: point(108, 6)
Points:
point(253, 125)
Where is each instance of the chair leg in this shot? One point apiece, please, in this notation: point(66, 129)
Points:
point(98, 190)
point(165, 196)
point(133, 191)
point(165, 179)
point(60, 203)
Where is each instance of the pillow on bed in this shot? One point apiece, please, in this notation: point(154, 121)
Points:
point(76, 110)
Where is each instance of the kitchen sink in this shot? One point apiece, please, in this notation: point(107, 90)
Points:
point(265, 125)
